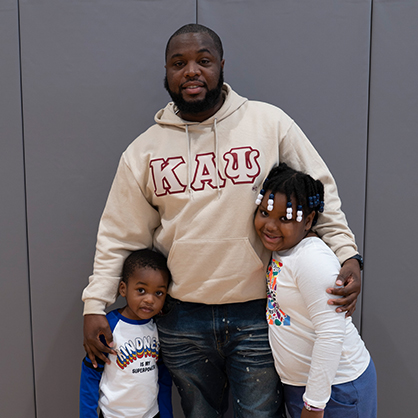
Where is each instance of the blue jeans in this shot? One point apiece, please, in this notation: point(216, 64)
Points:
point(355, 399)
point(211, 348)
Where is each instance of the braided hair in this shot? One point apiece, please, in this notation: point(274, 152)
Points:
point(307, 192)
point(144, 258)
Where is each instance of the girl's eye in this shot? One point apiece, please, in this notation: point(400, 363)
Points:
point(284, 219)
point(263, 212)
point(141, 290)
point(159, 293)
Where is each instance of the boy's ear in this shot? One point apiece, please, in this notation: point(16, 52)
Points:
point(122, 288)
point(308, 221)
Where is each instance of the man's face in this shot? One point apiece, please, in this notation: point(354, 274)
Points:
point(194, 76)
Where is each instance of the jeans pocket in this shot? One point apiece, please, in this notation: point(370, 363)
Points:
point(343, 402)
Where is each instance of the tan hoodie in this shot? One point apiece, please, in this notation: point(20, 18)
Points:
point(189, 190)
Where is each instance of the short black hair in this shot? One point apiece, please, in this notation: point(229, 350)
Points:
point(307, 192)
point(196, 28)
point(144, 258)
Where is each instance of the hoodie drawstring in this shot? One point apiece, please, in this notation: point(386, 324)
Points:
point(189, 171)
point(217, 157)
point(189, 149)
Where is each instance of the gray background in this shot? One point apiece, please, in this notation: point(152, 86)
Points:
point(80, 79)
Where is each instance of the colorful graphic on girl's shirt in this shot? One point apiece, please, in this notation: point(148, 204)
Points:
point(275, 316)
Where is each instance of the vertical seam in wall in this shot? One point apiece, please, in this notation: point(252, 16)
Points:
point(367, 157)
point(26, 203)
point(197, 11)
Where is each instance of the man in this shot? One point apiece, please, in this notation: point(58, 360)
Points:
point(187, 186)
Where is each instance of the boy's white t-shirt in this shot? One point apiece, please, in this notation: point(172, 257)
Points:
point(312, 344)
point(129, 384)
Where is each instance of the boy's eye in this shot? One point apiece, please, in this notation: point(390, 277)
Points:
point(159, 293)
point(141, 290)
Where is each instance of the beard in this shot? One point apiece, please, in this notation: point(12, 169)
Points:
point(208, 102)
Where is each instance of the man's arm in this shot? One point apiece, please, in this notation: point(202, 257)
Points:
point(127, 224)
point(332, 226)
point(349, 282)
point(94, 327)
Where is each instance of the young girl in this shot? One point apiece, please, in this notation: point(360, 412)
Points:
point(324, 365)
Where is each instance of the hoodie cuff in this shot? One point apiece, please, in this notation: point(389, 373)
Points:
point(94, 307)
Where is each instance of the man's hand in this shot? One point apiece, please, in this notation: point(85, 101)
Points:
point(350, 278)
point(94, 326)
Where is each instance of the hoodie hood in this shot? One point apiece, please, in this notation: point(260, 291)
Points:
point(168, 116)
point(233, 101)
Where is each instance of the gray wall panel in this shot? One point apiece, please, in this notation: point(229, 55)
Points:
point(16, 368)
point(389, 319)
point(92, 81)
point(312, 60)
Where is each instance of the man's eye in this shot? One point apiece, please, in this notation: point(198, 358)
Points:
point(204, 61)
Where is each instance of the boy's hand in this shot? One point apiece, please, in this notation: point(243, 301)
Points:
point(350, 278)
point(94, 326)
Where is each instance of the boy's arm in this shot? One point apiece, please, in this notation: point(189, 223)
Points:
point(89, 388)
point(164, 393)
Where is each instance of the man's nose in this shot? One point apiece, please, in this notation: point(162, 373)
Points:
point(192, 69)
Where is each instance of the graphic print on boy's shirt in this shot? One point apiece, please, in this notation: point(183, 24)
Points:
point(141, 350)
point(275, 316)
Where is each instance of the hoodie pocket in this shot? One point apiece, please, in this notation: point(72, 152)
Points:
point(216, 271)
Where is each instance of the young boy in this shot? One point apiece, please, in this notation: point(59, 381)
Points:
point(135, 383)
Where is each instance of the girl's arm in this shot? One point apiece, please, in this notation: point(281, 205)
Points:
point(311, 414)
point(317, 270)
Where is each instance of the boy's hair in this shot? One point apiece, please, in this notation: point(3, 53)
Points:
point(307, 192)
point(145, 258)
point(196, 28)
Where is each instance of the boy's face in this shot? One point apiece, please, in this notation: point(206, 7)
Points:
point(145, 293)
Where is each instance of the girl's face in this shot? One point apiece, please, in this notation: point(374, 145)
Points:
point(276, 232)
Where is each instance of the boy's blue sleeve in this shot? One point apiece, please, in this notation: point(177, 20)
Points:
point(164, 393)
point(89, 388)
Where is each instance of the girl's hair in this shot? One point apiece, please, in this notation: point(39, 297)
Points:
point(145, 258)
point(307, 192)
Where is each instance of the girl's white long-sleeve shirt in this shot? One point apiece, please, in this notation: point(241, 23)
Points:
point(312, 344)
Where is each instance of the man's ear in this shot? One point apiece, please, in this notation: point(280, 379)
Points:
point(122, 289)
point(308, 221)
